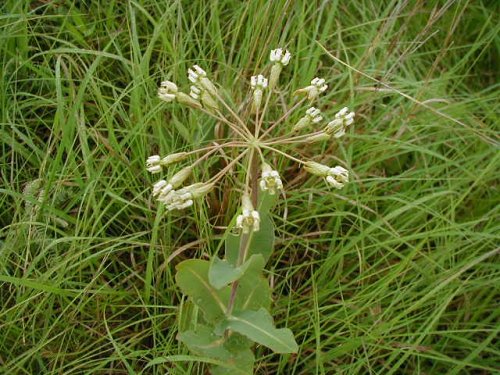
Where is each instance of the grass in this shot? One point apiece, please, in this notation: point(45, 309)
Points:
point(395, 274)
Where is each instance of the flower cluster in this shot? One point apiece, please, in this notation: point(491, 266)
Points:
point(251, 137)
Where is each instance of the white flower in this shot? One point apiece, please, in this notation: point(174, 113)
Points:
point(338, 126)
point(195, 92)
point(249, 220)
point(196, 73)
point(183, 198)
point(167, 91)
point(177, 199)
point(337, 177)
point(153, 164)
point(199, 78)
point(270, 180)
point(313, 115)
point(319, 83)
point(346, 116)
point(280, 56)
point(258, 82)
point(161, 188)
point(316, 87)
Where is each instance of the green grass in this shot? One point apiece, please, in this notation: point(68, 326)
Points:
point(395, 274)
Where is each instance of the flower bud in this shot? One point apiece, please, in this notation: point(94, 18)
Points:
point(323, 136)
point(173, 158)
point(316, 168)
point(181, 176)
point(275, 75)
point(208, 101)
point(200, 189)
point(188, 100)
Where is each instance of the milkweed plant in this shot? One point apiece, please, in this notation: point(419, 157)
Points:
point(229, 299)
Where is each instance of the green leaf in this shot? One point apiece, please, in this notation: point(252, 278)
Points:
point(267, 202)
point(261, 242)
point(243, 361)
point(259, 327)
point(203, 341)
point(222, 273)
point(253, 288)
point(187, 315)
point(192, 278)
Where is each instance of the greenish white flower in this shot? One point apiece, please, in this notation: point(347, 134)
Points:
point(183, 198)
point(280, 58)
point(316, 87)
point(342, 120)
point(153, 164)
point(258, 83)
point(167, 91)
point(199, 77)
point(161, 187)
point(195, 92)
point(270, 180)
point(313, 115)
point(337, 176)
point(249, 220)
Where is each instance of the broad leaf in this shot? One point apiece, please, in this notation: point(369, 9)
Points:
point(202, 341)
point(192, 278)
point(261, 242)
point(187, 315)
point(259, 327)
point(253, 288)
point(222, 273)
point(243, 361)
point(267, 202)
